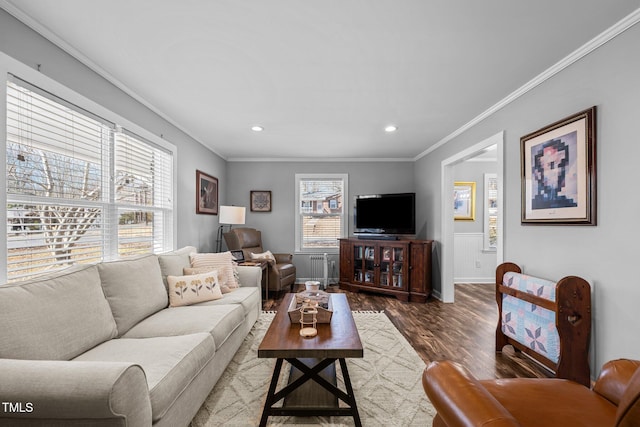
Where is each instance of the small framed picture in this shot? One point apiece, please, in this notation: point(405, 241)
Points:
point(238, 255)
point(464, 201)
point(386, 254)
point(260, 201)
point(559, 172)
point(206, 194)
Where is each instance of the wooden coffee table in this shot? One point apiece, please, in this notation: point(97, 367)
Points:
point(312, 359)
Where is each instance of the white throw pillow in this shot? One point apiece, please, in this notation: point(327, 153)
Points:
point(222, 276)
point(264, 255)
point(218, 261)
point(187, 290)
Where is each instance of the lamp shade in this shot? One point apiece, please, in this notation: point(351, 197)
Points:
point(232, 214)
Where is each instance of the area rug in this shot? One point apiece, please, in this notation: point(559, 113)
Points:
point(386, 382)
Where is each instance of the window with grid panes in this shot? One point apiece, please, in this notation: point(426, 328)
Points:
point(78, 188)
point(321, 211)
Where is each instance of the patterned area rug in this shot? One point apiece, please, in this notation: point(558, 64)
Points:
point(386, 382)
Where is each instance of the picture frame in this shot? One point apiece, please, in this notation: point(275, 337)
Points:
point(238, 255)
point(206, 193)
point(558, 172)
point(260, 201)
point(464, 201)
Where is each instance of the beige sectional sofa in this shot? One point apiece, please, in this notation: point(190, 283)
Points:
point(97, 345)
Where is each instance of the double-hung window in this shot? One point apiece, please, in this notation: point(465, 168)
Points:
point(79, 188)
point(321, 211)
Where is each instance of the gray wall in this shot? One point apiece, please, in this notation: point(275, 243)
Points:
point(607, 78)
point(277, 226)
point(20, 42)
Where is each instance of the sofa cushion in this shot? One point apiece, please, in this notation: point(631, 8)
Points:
point(190, 289)
point(248, 298)
point(170, 363)
point(219, 321)
point(134, 289)
point(219, 261)
point(223, 275)
point(172, 263)
point(55, 317)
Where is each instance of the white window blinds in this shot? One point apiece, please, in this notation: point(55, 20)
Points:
point(320, 211)
point(143, 194)
point(67, 201)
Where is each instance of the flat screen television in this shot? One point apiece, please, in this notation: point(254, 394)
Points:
point(385, 214)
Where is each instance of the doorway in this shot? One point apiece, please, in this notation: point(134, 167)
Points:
point(447, 222)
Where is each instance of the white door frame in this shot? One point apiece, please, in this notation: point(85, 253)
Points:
point(447, 179)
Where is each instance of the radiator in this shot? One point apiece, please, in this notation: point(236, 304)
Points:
point(320, 269)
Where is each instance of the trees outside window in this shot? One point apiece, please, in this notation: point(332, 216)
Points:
point(78, 188)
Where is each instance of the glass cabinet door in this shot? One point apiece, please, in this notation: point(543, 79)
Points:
point(369, 264)
point(358, 263)
point(386, 254)
point(398, 278)
point(392, 262)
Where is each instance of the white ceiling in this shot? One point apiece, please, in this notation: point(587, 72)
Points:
point(323, 77)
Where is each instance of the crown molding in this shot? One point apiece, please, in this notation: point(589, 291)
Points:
point(604, 37)
point(320, 159)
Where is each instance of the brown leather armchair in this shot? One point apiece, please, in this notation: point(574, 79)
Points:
point(463, 401)
point(282, 272)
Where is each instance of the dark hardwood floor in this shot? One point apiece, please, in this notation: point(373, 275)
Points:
point(463, 331)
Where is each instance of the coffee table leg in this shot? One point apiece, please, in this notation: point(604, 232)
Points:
point(347, 384)
point(272, 389)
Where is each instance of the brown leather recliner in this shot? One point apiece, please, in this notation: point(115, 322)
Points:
point(463, 401)
point(282, 272)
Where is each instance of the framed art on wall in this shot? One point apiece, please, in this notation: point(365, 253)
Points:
point(558, 171)
point(206, 194)
point(260, 201)
point(464, 201)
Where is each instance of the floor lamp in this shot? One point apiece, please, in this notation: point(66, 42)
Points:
point(229, 215)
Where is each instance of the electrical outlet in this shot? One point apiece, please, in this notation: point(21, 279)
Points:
point(477, 264)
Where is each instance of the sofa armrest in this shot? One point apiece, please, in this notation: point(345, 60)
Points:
point(461, 400)
point(250, 276)
point(283, 258)
point(614, 378)
point(64, 390)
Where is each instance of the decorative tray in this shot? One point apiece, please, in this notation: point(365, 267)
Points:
point(325, 308)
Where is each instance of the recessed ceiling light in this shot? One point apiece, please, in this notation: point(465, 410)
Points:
point(391, 128)
point(257, 128)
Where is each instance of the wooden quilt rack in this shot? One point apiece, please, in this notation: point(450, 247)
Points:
point(572, 307)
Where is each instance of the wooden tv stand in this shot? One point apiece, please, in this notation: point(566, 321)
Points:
point(401, 268)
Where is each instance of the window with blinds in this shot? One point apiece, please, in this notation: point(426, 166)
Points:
point(143, 195)
point(78, 189)
point(320, 211)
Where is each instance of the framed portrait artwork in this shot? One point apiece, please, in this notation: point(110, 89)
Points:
point(558, 164)
point(464, 201)
point(260, 201)
point(206, 194)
